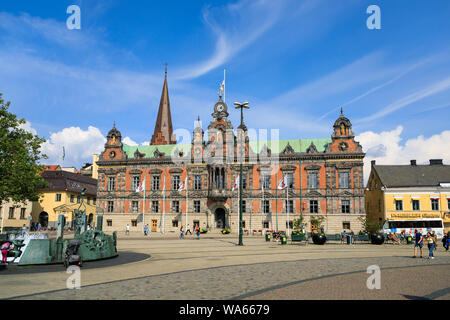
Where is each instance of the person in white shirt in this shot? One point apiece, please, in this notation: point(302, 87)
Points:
point(128, 230)
point(188, 229)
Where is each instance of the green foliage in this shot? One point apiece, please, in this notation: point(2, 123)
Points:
point(19, 156)
point(203, 230)
point(299, 224)
point(370, 225)
point(317, 221)
point(226, 231)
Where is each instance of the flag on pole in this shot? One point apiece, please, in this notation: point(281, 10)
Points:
point(141, 187)
point(64, 153)
point(282, 184)
point(183, 185)
point(236, 184)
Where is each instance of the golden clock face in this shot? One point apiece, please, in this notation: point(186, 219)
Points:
point(343, 146)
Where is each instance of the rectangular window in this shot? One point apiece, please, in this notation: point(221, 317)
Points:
point(244, 181)
point(175, 183)
point(134, 223)
point(197, 182)
point(88, 200)
point(290, 180)
point(58, 197)
point(435, 204)
point(11, 213)
point(243, 223)
point(344, 178)
point(22, 213)
point(110, 206)
point(312, 180)
point(266, 224)
point(416, 205)
point(399, 205)
point(135, 206)
point(111, 183)
point(197, 206)
point(155, 206)
point(175, 206)
point(448, 203)
point(175, 223)
point(155, 182)
point(244, 206)
point(346, 225)
point(78, 199)
point(94, 201)
point(289, 205)
point(345, 204)
point(72, 198)
point(266, 206)
point(291, 224)
point(136, 182)
point(313, 206)
point(266, 181)
point(109, 223)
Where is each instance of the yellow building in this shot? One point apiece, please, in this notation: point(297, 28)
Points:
point(408, 192)
point(14, 214)
point(62, 196)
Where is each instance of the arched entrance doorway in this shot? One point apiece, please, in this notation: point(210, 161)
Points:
point(220, 218)
point(43, 219)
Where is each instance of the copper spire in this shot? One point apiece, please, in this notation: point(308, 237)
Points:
point(163, 128)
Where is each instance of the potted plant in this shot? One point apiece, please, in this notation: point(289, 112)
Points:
point(297, 234)
point(374, 229)
point(226, 231)
point(203, 230)
point(318, 236)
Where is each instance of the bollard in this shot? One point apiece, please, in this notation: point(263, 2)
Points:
point(268, 237)
point(283, 240)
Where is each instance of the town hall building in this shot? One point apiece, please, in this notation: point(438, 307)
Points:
point(324, 177)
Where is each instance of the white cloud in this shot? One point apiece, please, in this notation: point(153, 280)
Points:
point(27, 127)
point(79, 146)
point(386, 148)
point(128, 141)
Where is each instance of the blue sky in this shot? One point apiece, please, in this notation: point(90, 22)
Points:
point(295, 61)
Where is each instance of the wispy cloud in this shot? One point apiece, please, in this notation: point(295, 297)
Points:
point(433, 89)
point(234, 27)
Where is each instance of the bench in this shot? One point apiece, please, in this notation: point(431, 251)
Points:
point(361, 237)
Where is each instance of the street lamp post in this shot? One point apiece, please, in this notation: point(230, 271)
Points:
point(241, 150)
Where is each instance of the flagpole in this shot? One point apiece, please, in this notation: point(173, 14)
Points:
point(143, 210)
point(224, 85)
point(186, 186)
point(287, 209)
point(276, 197)
point(164, 202)
point(3, 215)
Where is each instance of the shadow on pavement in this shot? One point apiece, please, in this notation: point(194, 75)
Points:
point(122, 258)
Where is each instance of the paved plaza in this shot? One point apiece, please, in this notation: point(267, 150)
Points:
point(215, 267)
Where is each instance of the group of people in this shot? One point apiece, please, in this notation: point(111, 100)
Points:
point(188, 229)
point(430, 240)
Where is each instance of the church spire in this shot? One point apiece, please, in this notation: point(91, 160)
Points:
point(163, 128)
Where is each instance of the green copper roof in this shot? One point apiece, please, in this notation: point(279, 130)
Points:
point(299, 145)
point(277, 146)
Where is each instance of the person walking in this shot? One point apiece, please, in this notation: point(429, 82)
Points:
point(445, 242)
point(197, 230)
point(181, 232)
point(127, 232)
point(418, 243)
point(431, 244)
point(5, 248)
point(146, 230)
point(188, 229)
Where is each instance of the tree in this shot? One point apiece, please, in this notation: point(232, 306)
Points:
point(299, 224)
point(371, 225)
point(316, 222)
point(19, 156)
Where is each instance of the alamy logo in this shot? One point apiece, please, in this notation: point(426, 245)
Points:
point(374, 20)
point(74, 281)
point(374, 281)
point(74, 21)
